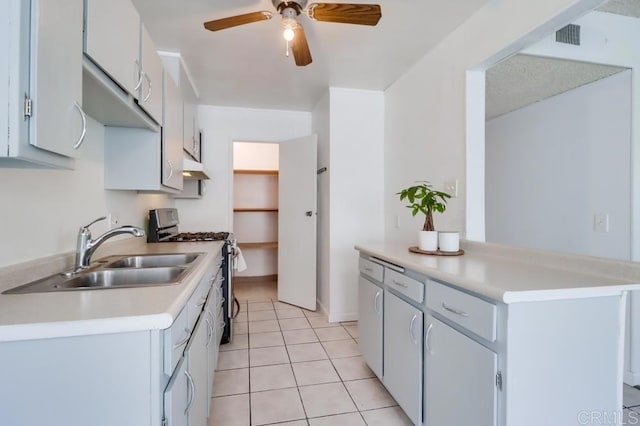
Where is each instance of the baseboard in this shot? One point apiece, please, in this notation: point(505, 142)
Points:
point(263, 278)
point(343, 317)
point(632, 379)
point(340, 317)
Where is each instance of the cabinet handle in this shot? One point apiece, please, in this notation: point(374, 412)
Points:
point(209, 331)
point(426, 338)
point(192, 392)
point(202, 302)
point(146, 77)
point(368, 269)
point(375, 302)
point(403, 285)
point(413, 337)
point(455, 311)
point(183, 341)
point(140, 73)
point(170, 170)
point(84, 126)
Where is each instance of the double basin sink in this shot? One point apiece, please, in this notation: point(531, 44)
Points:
point(117, 272)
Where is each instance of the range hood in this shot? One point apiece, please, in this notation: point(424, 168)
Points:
point(193, 170)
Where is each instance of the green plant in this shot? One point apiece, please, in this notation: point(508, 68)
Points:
point(424, 199)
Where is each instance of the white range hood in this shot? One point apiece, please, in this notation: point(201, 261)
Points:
point(193, 170)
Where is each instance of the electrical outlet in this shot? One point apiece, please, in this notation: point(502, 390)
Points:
point(601, 222)
point(451, 188)
point(397, 221)
point(113, 219)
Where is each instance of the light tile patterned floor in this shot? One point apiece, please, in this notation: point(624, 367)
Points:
point(631, 403)
point(289, 366)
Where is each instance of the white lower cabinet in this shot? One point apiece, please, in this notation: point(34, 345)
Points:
point(459, 378)
point(197, 357)
point(370, 302)
point(176, 398)
point(403, 355)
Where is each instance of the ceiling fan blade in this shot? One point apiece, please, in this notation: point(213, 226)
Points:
point(233, 21)
point(300, 48)
point(346, 13)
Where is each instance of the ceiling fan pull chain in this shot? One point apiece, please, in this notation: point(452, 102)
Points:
point(287, 51)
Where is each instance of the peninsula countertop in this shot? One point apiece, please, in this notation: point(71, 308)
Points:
point(512, 275)
point(87, 312)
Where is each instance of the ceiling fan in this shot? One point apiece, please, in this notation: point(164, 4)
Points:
point(345, 13)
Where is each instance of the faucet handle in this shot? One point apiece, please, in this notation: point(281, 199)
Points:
point(97, 220)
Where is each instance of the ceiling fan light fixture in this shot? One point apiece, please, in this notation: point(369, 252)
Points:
point(289, 25)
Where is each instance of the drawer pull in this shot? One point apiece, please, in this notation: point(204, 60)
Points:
point(403, 285)
point(368, 269)
point(192, 392)
point(375, 302)
point(426, 338)
point(455, 311)
point(413, 336)
point(183, 341)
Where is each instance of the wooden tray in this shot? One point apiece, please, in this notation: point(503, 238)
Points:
point(415, 249)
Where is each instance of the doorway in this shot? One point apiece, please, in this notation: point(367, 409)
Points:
point(255, 218)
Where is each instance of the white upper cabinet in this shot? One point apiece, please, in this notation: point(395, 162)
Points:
point(112, 41)
point(41, 53)
point(190, 137)
point(172, 135)
point(151, 89)
point(58, 123)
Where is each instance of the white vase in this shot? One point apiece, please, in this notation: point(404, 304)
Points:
point(428, 240)
point(449, 241)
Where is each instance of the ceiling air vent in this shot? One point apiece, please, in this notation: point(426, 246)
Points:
point(569, 35)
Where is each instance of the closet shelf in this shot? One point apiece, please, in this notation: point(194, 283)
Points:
point(255, 172)
point(265, 245)
point(256, 209)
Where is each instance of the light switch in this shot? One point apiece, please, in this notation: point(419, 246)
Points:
point(601, 222)
point(451, 188)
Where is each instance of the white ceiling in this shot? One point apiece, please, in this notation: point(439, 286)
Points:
point(522, 80)
point(246, 66)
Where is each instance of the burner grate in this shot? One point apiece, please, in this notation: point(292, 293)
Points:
point(199, 236)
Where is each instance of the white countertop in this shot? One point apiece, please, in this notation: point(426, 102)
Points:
point(86, 312)
point(516, 275)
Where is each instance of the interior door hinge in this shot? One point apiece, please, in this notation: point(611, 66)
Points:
point(499, 380)
point(27, 107)
point(164, 421)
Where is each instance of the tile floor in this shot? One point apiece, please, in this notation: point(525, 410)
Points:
point(289, 366)
point(631, 404)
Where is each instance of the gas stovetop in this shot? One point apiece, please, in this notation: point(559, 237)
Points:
point(198, 236)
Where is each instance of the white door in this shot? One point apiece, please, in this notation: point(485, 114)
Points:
point(297, 208)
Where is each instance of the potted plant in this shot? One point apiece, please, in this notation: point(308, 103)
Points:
point(424, 199)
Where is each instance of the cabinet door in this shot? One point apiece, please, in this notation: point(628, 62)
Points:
point(403, 355)
point(176, 396)
point(172, 135)
point(113, 40)
point(189, 117)
point(458, 370)
point(197, 355)
point(151, 87)
point(56, 75)
point(370, 304)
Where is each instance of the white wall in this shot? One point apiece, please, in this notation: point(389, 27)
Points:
point(221, 126)
point(350, 128)
point(425, 108)
point(43, 209)
point(322, 128)
point(552, 165)
point(255, 156)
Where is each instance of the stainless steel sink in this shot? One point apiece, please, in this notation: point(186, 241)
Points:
point(154, 260)
point(118, 272)
point(103, 279)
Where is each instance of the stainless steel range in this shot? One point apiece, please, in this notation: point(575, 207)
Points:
point(163, 227)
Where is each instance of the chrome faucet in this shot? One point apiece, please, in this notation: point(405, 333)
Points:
point(86, 246)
